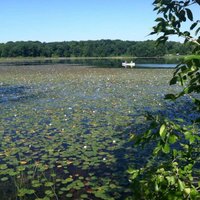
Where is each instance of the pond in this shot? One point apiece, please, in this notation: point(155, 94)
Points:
point(64, 131)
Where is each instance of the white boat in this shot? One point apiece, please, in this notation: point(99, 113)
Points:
point(131, 64)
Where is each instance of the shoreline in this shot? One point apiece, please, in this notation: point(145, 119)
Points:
point(23, 59)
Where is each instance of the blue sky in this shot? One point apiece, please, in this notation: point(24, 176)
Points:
point(67, 20)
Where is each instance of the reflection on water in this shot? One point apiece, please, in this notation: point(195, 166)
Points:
point(154, 65)
point(103, 63)
point(18, 93)
point(157, 60)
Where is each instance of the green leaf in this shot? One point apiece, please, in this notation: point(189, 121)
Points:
point(181, 185)
point(152, 33)
point(49, 184)
point(162, 39)
point(48, 192)
point(162, 131)
point(170, 96)
point(156, 187)
point(175, 152)
point(198, 1)
point(24, 191)
point(189, 14)
point(135, 174)
point(4, 179)
point(84, 196)
point(187, 191)
point(193, 26)
point(30, 191)
point(166, 148)
point(157, 149)
point(3, 166)
point(181, 15)
point(172, 139)
point(69, 195)
point(132, 171)
point(36, 184)
point(67, 180)
point(21, 168)
point(101, 194)
point(159, 19)
point(174, 80)
point(170, 180)
point(187, 134)
point(197, 31)
point(186, 33)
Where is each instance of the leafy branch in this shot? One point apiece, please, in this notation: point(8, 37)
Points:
point(172, 169)
point(174, 13)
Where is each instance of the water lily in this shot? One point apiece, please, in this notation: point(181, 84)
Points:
point(69, 162)
point(54, 139)
point(23, 162)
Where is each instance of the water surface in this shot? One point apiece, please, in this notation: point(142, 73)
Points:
point(73, 122)
point(103, 63)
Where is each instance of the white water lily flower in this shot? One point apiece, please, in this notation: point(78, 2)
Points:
point(114, 141)
point(104, 159)
point(85, 147)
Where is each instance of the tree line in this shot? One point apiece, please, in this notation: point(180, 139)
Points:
point(97, 48)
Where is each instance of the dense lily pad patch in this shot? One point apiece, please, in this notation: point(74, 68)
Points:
point(65, 134)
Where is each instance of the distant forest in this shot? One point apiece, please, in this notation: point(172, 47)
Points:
point(98, 48)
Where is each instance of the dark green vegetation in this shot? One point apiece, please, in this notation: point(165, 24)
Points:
point(99, 48)
point(64, 130)
point(173, 170)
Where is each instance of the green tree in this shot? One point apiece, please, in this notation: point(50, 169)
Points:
point(98, 48)
point(172, 171)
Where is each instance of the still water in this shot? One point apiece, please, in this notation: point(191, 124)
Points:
point(103, 63)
